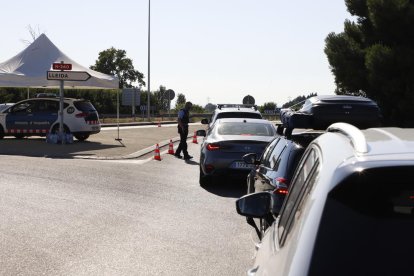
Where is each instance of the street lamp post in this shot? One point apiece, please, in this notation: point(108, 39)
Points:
point(149, 73)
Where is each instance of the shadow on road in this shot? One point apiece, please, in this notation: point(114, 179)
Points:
point(192, 162)
point(233, 188)
point(37, 147)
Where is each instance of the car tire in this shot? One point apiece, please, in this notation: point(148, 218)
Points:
point(81, 137)
point(19, 136)
point(204, 180)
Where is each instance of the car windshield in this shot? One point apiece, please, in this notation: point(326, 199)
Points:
point(249, 115)
point(248, 129)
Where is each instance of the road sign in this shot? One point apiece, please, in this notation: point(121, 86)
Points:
point(129, 95)
point(68, 75)
point(62, 66)
point(248, 100)
point(170, 94)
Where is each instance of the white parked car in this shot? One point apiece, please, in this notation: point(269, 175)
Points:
point(349, 210)
point(39, 116)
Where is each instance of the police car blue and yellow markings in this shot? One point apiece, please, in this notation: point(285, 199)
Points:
point(17, 127)
point(27, 131)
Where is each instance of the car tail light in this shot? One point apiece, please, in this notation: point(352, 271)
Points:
point(281, 191)
point(281, 180)
point(213, 146)
point(209, 168)
point(81, 115)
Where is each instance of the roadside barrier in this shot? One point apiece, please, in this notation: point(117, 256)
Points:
point(157, 155)
point(195, 138)
point(171, 148)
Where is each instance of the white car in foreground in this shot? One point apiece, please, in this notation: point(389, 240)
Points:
point(349, 209)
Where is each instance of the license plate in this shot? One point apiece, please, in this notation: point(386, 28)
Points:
point(241, 165)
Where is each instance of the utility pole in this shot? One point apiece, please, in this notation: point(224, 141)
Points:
point(149, 60)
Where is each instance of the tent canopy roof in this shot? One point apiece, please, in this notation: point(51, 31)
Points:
point(29, 68)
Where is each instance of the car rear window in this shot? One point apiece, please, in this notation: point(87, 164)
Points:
point(84, 106)
point(248, 115)
point(248, 129)
point(368, 221)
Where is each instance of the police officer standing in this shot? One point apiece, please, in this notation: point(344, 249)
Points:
point(183, 120)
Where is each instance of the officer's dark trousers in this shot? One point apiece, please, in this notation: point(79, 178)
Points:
point(183, 142)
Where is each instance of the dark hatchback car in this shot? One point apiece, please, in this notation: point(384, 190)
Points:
point(227, 142)
point(274, 170)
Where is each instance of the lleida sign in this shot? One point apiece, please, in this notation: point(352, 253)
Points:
point(68, 75)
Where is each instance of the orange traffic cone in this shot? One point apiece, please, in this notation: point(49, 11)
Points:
point(157, 155)
point(171, 148)
point(195, 138)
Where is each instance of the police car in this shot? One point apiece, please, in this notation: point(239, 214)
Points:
point(40, 116)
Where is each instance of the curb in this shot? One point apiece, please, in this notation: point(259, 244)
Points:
point(133, 155)
point(136, 124)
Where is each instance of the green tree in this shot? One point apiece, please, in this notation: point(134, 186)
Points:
point(180, 101)
point(197, 109)
point(115, 62)
point(374, 56)
point(210, 107)
point(267, 106)
point(161, 98)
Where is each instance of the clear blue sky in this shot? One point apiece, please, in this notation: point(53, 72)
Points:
point(216, 50)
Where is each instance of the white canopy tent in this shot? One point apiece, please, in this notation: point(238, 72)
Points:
point(29, 67)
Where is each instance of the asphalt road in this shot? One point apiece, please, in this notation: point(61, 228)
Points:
point(128, 217)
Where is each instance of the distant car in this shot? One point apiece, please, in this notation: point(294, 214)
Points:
point(349, 211)
point(4, 106)
point(227, 141)
point(320, 111)
point(274, 169)
point(39, 116)
point(233, 111)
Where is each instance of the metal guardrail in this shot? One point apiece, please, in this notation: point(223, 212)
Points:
point(174, 116)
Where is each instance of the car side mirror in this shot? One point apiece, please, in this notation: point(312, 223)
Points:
point(251, 158)
point(201, 132)
point(204, 121)
point(256, 205)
